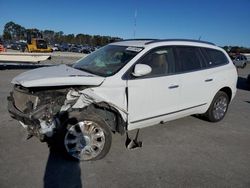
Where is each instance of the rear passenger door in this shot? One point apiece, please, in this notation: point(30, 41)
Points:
point(193, 78)
point(216, 71)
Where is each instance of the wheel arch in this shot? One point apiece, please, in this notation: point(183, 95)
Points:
point(228, 91)
point(108, 113)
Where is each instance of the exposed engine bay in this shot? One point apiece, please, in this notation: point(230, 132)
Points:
point(37, 109)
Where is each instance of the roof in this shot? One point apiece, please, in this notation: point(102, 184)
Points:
point(133, 42)
point(145, 42)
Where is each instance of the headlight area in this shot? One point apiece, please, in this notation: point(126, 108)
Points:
point(38, 109)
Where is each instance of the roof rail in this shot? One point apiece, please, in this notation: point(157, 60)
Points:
point(138, 39)
point(184, 40)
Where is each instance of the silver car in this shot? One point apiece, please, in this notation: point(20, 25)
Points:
point(240, 61)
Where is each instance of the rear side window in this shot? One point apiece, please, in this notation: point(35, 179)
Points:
point(215, 57)
point(189, 58)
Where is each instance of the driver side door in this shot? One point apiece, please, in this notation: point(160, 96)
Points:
point(153, 98)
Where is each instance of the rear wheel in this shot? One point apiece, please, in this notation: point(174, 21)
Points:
point(88, 139)
point(248, 79)
point(218, 107)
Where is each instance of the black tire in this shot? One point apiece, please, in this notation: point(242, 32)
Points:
point(85, 139)
point(244, 65)
point(248, 79)
point(218, 108)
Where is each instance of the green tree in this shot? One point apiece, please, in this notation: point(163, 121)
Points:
point(48, 35)
point(58, 37)
point(14, 31)
point(6, 35)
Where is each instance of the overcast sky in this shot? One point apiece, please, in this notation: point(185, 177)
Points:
point(224, 22)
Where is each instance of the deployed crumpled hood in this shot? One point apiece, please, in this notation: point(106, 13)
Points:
point(61, 75)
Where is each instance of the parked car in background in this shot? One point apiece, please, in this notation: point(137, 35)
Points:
point(15, 46)
point(123, 86)
point(240, 61)
point(22, 46)
point(7, 45)
point(63, 47)
point(55, 48)
point(75, 49)
point(86, 50)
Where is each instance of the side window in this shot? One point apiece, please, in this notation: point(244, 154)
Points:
point(161, 60)
point(215, 57)
point(189, 58)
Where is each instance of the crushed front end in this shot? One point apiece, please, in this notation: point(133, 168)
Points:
point(37, 109)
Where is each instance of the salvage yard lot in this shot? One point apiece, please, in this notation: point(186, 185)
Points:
point(188, 152)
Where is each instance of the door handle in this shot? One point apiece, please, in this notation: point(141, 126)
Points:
point(173, 86)
point(209, 80)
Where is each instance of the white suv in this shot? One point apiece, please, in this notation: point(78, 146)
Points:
point(123, 86)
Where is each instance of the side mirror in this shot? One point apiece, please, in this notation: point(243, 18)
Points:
point(141, 70)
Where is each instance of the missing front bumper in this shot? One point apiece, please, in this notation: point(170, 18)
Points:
point(33, 125)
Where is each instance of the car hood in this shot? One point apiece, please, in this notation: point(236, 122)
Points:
point(61, 75)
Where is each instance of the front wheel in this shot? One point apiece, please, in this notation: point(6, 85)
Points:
point(218, 107)
point(88, 139)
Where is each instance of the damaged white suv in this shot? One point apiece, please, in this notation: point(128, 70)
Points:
point(123, 86)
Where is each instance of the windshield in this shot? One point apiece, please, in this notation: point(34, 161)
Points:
point(41, 44)
point(107, 60)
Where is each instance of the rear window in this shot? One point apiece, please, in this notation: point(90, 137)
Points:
point(215, 57)
point(189, 58)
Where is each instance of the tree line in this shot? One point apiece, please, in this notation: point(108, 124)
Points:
point(236, 49)
point(16, 32)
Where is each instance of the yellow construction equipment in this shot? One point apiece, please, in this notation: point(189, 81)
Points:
point(35, 42)
point(37, 45)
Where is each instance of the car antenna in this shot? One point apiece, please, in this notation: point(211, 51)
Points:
point(135, 18)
